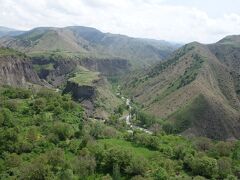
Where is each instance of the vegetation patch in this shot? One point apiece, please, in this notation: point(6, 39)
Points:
point(136, 149)
point(162, 66)
point(43, 135)
point(10, 52)
point(189, 76)
point(189, 114)
point(85, 77)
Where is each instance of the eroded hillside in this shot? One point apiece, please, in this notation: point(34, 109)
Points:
point(16, 69)
point(194, 91)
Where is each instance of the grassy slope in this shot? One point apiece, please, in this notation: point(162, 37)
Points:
point(85, 77)
point(137, 150)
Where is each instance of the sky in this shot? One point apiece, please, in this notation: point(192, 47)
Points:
point(184, 21)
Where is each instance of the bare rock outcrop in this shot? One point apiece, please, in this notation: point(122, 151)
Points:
point(17, 71)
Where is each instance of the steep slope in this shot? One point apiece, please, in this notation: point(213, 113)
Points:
point(16, 69)
point(89, 42)
point(193, 90)
point(227, 51)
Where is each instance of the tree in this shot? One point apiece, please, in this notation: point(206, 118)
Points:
point(137, 166)
point(32, 135)
point(223, 148)
point(13, 160)
point(56, 158)
point(37, 170)
point(199, 178)
point(6, 117)
point(38, 105)
point(63, 130)
point(97, 130)
point(203, 144)
point(224, 167)
point(169, 128)
point(156, 129)
point(236, 151)
point(84, 165)
point(205, 166)
point(117, 155)
point(67, 175)
point(161, 174)
point(116, 172)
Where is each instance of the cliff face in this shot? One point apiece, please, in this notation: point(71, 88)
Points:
point(108, 67)
point(17, 71)
point(80, 92)
point(56, 71)
point(95, 94)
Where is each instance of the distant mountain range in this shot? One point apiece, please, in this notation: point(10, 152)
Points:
point(4, 31)
point(88, 42)
point(197, 90)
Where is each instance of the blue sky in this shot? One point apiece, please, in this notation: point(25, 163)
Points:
point(205, 21)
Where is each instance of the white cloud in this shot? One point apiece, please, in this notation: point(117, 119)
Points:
point(138, 18)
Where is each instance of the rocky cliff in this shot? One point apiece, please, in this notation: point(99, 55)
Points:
point(16, 69)
point(94, 92)
point(57, 69)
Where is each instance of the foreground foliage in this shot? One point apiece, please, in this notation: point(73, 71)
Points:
point(44, 135)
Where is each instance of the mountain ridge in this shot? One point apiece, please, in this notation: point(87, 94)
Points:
point(193, 79)
point(90, 42)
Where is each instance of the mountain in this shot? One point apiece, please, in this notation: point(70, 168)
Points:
point(89, 42)
point(4, 31)
point(196, 91)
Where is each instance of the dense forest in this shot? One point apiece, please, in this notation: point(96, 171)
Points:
point(45, 135)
